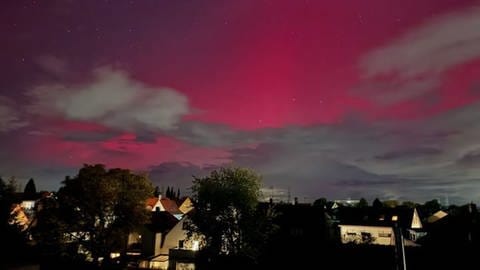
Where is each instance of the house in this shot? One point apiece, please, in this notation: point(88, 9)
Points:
point(163, 241)
point(158, 238)
point(358, 234)
point(377, 226)
point(458, 227)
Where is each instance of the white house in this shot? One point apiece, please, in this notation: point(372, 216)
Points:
point(377, 227)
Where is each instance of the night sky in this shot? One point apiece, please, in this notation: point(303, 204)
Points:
point(336, 99)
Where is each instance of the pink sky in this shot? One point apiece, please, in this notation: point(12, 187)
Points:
point(335, 86)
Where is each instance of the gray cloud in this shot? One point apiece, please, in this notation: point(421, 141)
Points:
point(471, 158)
point(436, 46)
point(389, 91)
point(411, 66)
point(9, 116)
point(420, 159)
point(88, 136)
point(410, 153)
point(206, 134)
point(178, 174)
point(114, 100)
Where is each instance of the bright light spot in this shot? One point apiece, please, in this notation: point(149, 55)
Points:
point(114, 255)
point(195, 245)
point(394, 218)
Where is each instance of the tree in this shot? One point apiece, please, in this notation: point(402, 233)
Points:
point(226, 212)
point(377, 204)
point(157, 191)
point(13, 241)
point(5, 203)
point(167, 193)
point(390, 203)
point(30, 190)
point(362, 203)
point(430, 207)
point(98, 208)
point(409, 204)
point(320, 203)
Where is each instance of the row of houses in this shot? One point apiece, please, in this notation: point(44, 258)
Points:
point(163, 242)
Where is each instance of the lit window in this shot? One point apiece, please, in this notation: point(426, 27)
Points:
point(195, 245)
point(383, 234)
point(394, 218)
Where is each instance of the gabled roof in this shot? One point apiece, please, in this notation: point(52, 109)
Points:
point(164, 204)
point(170, 206)
point(151, 202)
point(437, 216)
point(185, 205)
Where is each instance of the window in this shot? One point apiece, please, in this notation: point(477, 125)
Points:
point(195, 245)
point(384, 234)
point(181, 244)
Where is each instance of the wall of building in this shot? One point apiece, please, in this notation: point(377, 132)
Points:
point(359, 234)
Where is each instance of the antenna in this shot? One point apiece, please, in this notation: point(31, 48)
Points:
point(289, 195)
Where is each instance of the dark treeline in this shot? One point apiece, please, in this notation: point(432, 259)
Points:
point(266, 235)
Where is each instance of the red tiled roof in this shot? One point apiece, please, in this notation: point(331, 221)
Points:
point(152, 201)
point(170, 206)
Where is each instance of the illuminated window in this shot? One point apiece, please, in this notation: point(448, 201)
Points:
point(195, 245)
point(383, 234)
point(394, 218)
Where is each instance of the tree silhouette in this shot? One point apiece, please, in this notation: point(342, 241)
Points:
point(320, 203)
point(362, 203)
point(226, 212)
point(157, 192)
point(98, 208)
point(377, 204)
point(30, 191)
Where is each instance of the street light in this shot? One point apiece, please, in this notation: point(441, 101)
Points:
point(399, 246)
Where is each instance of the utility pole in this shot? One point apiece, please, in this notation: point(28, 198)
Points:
point(400, 262)
point(289, 196)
